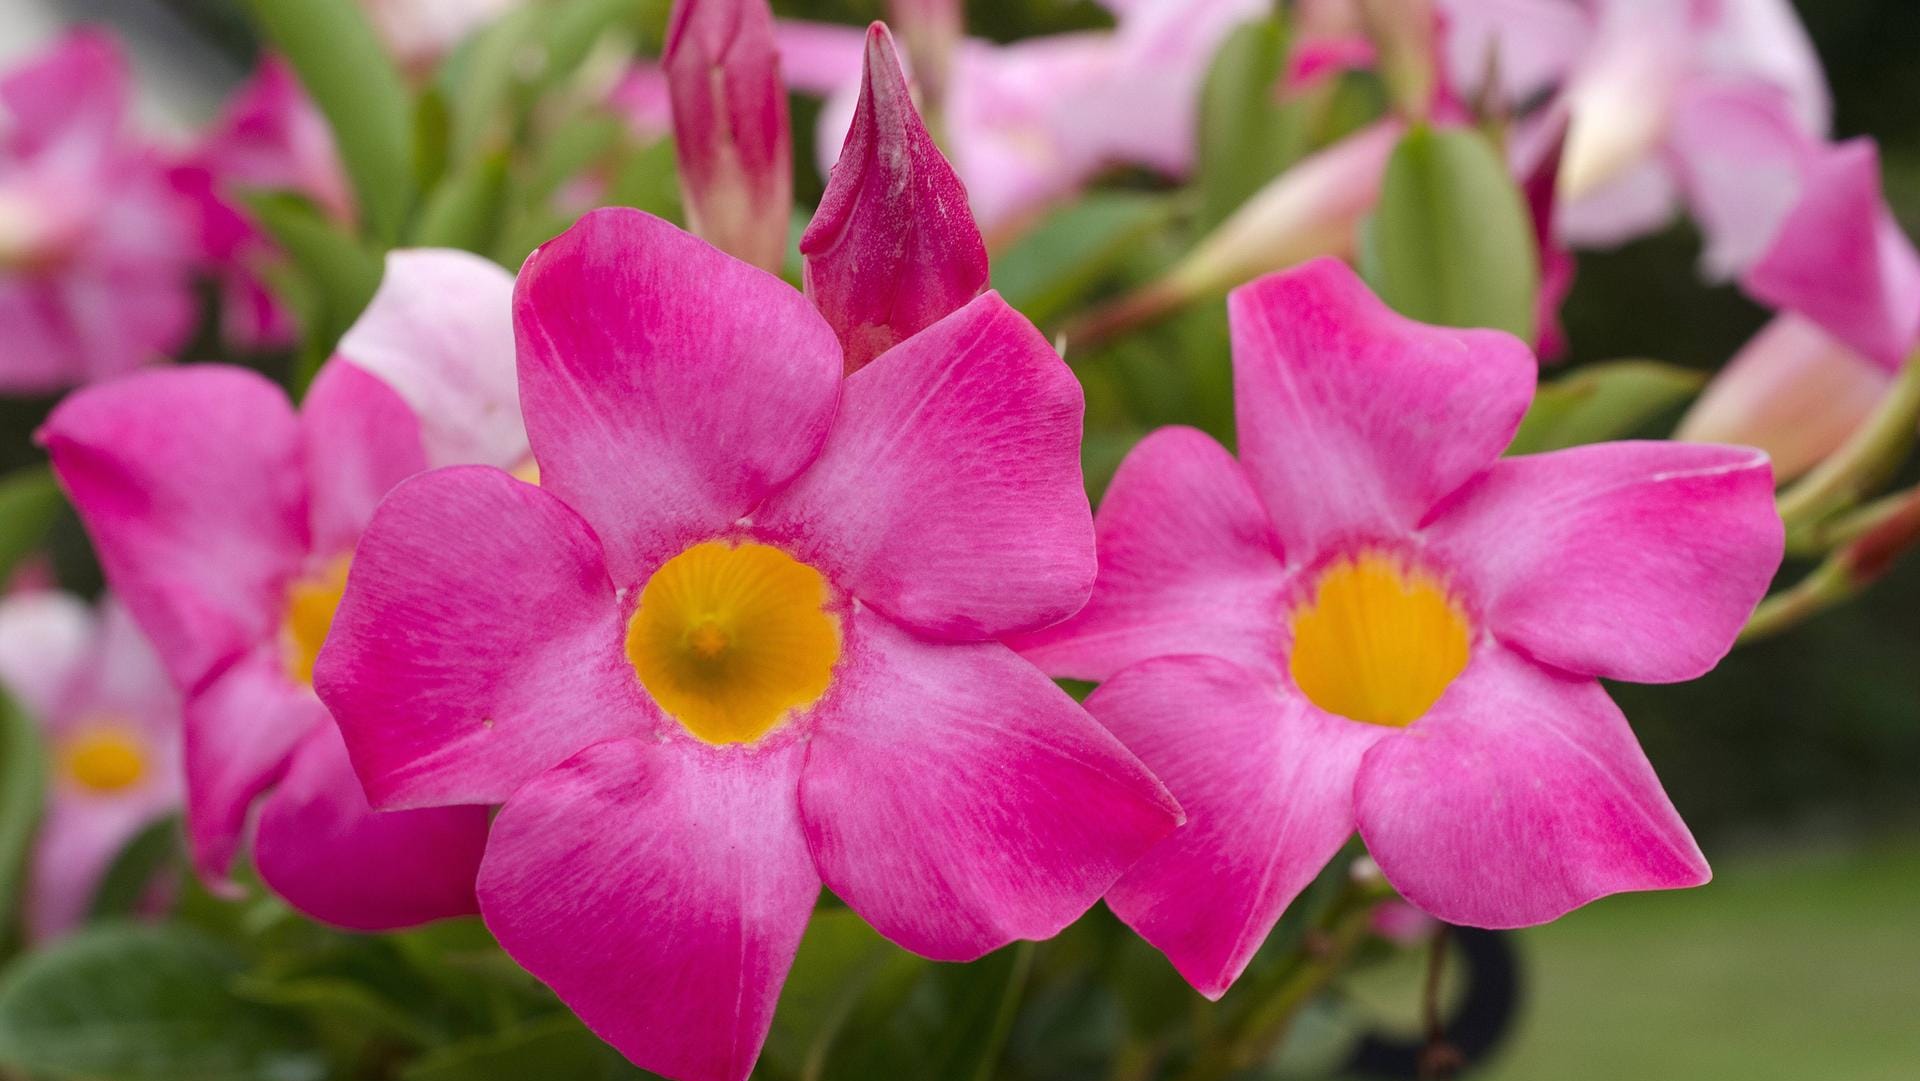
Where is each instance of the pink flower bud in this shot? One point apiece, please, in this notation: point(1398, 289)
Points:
point(893, 248)
point(730, 126)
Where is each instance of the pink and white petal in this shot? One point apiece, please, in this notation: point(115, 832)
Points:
point(1843, 262)
point(1266, 781)
point(1641, 199)
point(45, 638)
point(1635, 560)
point(1742, 161)
point(660, 889)
point(324, 849)
point(360, 440)
point(439, 331)
point(190, 484)
point(1189, 564)
point(948, 494)
point(124, 680)
point(79, 839)
point(478, 644)
point(668, 388)
point(958, 800)
point(241, 729)
point(1355, 420)
point(1520, 796)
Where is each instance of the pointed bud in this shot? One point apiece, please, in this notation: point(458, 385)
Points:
point(893, 247)
point(1793, 391)
point(930, 30)
point(730, 126)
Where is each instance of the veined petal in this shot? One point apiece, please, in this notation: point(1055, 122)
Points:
point(240, 731)
point(478, 642)
point(660, 889)
point(330, 855)
point(1637, 560)
point(360, 440)
point(1267, 784)
point(1522, 795)
point(958, 800)
point(668, 388)
point(948, 494)
point(190, 484)
point(1355, 420)
point(440, 332)
point(1188, 564)
point(893, 247)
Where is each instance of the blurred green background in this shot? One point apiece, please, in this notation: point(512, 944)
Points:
point(1797, 761)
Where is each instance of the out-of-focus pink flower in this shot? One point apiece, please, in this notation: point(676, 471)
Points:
point(112, 725)
point(1030, 122)
point(731, 131)
point(745, 588)
point(419, 32)
point(1793, 391)
point(643, 99)
point(269, 137)
point(931, 31)
point(226, 521)
point(1370, 618)
point(96, 260)
point(893, 248)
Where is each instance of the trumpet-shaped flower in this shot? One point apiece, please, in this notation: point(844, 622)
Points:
point(741, 642)
point(96, 262)
point(227, 520)
point(112, 725)
point(1370, 619)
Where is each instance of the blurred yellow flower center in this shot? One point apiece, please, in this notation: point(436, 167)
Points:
point(310, 607)
point(104, 758)
point(1377, 642)
point(731, 638)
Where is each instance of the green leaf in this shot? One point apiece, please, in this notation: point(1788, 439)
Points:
point(839, 959)
point(1601, 402)
point(465, 211)
point(129, 880)
point(347, 72)
point(144, 1004)
point(1247, 136)
point(1055, 264)
point(1451, 242)
point(554, 1047)
point(339, 272)
point(927, 1022)
point(29, 503)
point(22, 781)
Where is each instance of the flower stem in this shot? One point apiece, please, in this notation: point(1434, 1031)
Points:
point(1890, 528)
point(1863, 461)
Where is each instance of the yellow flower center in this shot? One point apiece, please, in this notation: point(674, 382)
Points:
point(1378, 641)
point(104, 757)
point(731, 638)
point(310, 607)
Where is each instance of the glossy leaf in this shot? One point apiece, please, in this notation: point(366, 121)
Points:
point(1605, 401)
point(466, 209)
point(1247, 135)
point(339, 273)
point(1451, 242)
point(1054, 265)
point(29, 503)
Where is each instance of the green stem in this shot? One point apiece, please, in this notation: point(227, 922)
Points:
point(1863, 461)
point(1877, 541)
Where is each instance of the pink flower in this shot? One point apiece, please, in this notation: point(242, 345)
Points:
point(740, 642)
point(892, 249)
point(1371, 619)
point(112, 724)
point(270, 137)
point(420, 32)
point(731, 132)
point(226, 520)
point(95, 262)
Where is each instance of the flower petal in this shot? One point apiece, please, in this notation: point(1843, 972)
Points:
point(1522, 795)
point(1355, 420)
point(479, 642)
point(189, 482)
point(660, 889)
point(1267, 784)
point(892, 248)
point(360, 440)
point(330, 855)
point(1188, 564)
point(44, 637)
point(958, 800)
point(948, 494)
point(1636, 560)
point(240, 731)
point(78, 840)
point(440, 332)
point(668, 389)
